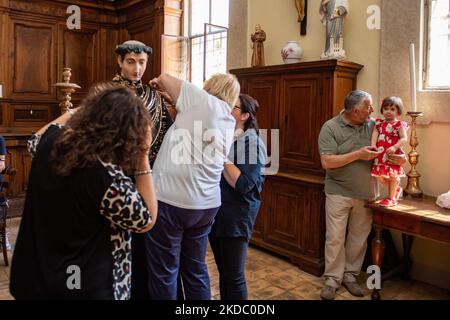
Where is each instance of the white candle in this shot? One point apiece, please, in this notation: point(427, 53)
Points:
point(412, 65)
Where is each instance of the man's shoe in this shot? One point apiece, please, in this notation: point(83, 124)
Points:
point(328, 293)
point(354, 289)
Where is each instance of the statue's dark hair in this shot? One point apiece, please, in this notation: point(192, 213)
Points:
point(137, 47)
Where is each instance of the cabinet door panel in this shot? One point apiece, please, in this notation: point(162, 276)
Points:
point(260, 224)
point(296, 220)
point(79, 50)
point(287, 207)
point(300, 108)
point(265, 90)
point(33, 67)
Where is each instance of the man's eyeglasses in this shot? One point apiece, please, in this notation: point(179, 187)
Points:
point(236, 107)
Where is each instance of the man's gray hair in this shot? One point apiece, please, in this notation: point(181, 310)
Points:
point(355, 99)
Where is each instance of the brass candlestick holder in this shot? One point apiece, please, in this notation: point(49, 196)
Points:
point(412, 188)
point(67, 89)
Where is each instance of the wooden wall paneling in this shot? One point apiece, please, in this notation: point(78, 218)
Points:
point(79, 51)
point(5, 52)
point(36, 45)
point(109, 39)
point(30, 115)
point(34, 50)
point(140, 23)
point(3, 106)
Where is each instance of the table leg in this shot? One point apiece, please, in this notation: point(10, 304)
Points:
point(407, 241)
point(378, 247)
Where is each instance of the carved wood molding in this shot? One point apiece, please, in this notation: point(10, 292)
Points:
point(58, 10)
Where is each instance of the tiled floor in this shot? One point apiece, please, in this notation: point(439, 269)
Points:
point(273, 278)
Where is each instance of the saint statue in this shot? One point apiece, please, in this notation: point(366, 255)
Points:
point(332, 14)
point(132, 59)
point(258, 47)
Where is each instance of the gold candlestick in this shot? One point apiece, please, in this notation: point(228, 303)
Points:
point(67, 88)
point(412, 188)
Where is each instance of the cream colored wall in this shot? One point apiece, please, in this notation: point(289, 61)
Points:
point(278, 19)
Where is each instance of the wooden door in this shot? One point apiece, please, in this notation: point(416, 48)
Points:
point(300, 109)
point(266, 91)
point(33, 68)
point(287, 208)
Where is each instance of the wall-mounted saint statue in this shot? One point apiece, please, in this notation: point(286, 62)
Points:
point(258, 46)
point(332, 14)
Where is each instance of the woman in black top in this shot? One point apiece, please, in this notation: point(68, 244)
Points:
point(241, 185)
point(81, 204)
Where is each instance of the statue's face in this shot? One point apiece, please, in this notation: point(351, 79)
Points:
point(133, 65)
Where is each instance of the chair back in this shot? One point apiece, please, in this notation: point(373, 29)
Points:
point(6, 186)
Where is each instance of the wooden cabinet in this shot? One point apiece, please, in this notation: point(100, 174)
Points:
point(296, 99)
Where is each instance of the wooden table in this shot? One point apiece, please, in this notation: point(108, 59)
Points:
point(413, 217)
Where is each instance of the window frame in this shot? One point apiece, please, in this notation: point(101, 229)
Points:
point(426, 48)
point(203, 35)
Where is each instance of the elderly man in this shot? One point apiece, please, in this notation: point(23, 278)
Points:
point(132, 57)
point(345, 152)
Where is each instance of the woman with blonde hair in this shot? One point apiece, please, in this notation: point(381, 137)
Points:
point(187, 175)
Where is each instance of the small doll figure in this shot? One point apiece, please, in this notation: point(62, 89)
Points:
point(388, 137)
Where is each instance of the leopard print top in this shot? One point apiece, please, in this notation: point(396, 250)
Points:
point(125, 209)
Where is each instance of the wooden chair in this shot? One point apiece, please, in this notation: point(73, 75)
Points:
point(10, 174)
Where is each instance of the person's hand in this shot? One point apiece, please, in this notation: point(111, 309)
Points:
point(390, 151)
point(166, 97)
point(155, 83)
point(148, 142)
point(367, 153)
point(2, 165)
point(158, 85)
point(397, 159)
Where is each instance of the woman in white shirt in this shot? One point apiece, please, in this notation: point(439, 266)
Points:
point(187, 174)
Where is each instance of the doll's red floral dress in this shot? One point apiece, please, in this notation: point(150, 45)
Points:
point(388, 135)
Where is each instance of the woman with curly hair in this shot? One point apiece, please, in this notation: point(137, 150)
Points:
point(81, 204)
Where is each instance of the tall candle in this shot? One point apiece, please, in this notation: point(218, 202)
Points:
point(412, 65)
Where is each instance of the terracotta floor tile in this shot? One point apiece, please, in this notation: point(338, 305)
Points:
point(271, 277)
point(254, 286)
point(281, 283)
point(269, 292)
